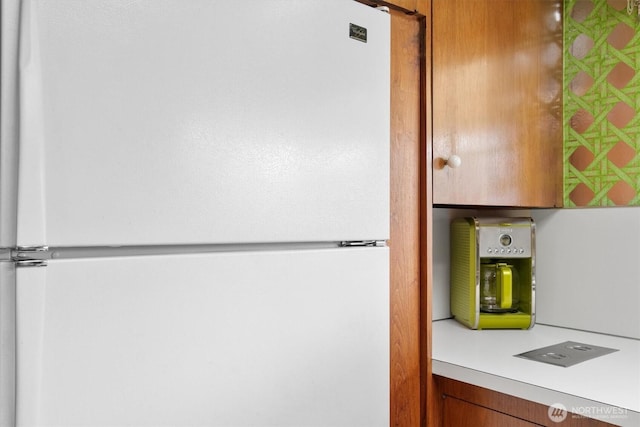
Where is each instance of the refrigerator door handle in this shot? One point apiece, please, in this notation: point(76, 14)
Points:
point(31, 256)
point(363, 243)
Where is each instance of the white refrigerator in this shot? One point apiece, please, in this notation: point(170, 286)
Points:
point(194, 211)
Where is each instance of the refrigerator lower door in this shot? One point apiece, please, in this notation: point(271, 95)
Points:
point(203, 121)
point(282, 338)
point(7, 343)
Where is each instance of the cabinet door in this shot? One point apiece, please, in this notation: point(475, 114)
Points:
point(465, 404)
point(458, 413)
point(497, 83)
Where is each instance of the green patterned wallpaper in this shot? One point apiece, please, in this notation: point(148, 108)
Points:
point(601, 104)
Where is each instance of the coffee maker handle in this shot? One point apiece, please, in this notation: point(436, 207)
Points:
point(504, 286)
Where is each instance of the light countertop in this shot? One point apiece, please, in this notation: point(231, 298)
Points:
point(606, 388)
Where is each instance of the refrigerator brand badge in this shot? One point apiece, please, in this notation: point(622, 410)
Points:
point(357, 32)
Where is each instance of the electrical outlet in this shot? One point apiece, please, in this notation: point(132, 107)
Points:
point(566, 354)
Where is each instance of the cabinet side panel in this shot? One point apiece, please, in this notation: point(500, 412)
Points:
point(404, 244)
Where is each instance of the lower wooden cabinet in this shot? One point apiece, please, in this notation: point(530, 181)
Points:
point(457, 412)
point(463, 405)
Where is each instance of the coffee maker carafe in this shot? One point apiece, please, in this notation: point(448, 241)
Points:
point(493, 272)
point(499, 287)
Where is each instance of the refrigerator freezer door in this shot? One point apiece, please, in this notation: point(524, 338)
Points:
point(184, 122)
point(8, 123)
point(229, 339)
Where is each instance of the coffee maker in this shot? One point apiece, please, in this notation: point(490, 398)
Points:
point(493, 272)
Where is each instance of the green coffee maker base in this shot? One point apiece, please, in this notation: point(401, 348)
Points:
point(504, 321)
point(500, 321)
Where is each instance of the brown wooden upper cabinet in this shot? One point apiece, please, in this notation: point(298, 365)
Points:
point(497, 102)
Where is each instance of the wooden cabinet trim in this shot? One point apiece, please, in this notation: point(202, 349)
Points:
point(408, 327)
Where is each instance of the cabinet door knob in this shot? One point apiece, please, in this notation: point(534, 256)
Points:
point(453, 161)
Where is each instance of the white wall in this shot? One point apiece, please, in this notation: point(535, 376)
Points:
point(588, 267)
point(440, 272)
point(588, 273)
